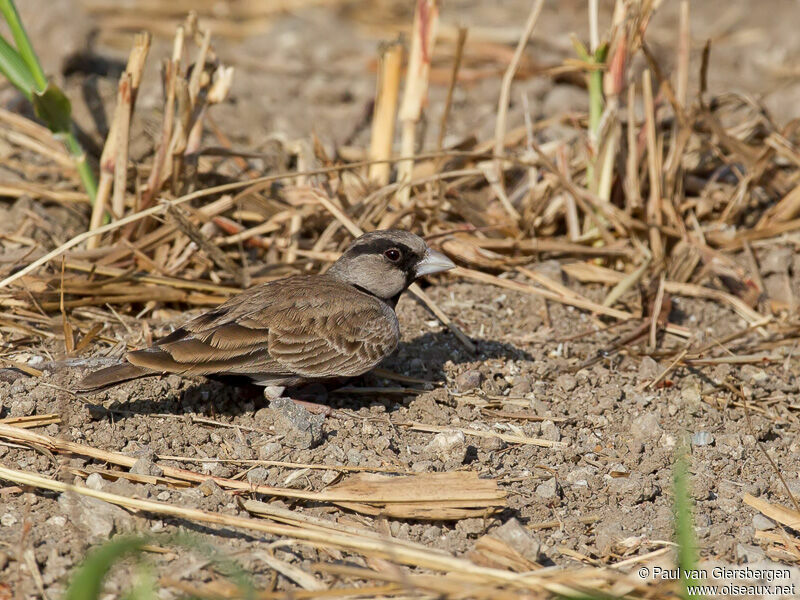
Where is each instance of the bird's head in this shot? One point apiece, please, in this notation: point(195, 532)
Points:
point(384, 263)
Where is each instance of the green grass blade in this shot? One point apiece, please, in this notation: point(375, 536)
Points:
point(87, 583)
point(9, 12)
point(54, 108)
point(15, 69)
point(684, 524)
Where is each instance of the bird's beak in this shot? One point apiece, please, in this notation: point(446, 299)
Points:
point(433, 262)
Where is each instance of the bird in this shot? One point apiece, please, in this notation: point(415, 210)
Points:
point(302, 329)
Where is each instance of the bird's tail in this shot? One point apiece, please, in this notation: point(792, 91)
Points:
point(112, 375)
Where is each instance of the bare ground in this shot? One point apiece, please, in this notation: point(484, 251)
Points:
point(606, 493)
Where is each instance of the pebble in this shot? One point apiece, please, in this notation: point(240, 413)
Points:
point(762, 523)
point(449, 446)
point(95, 481)
point(22, 407)
point(354, 457)
point(209, 487)
point(473, 526)
point(646, 427)
point(163, 496)
point(566, 382)
point(300, 428)
point(521, 386)
point(469, 380)
point(777, 260)
point(550, 431)
point(702, 438)
point(257, 476)
point(145, 464)
point(648, 369)
point(549, 489)
point(580, 476)
point(56, 521)
point(269, 450)
point(7, 520)
point(97, 518)
point(749, 554)
point(519, 538)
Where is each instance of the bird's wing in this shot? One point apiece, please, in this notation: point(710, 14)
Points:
point(335, 340)
point(299, 326)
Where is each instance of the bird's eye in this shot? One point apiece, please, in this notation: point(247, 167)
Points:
point(392, 254)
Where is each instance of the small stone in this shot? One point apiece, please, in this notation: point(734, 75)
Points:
point(549, 489)
point(269, 450)
point(163, 496)
point(702, 438)
point(257, 476)
point(95, 481)
point(550, 431)
point(422, 466)
point(328, 477)
point(353, 457)
point(449, 446)
point(648, 369)
point(519, 538)
point(646, 427)
point(691, 396)
point(472, 527)
point(56, 521)
point(493, 444)
point(7, 520)
point(755, 374)
point(97, 518)
point(209, 487)
point(299, 427)
point(22, 407)
point(520, 387)
point(145, 464)
point(749, 554)
point(762, 523)
point(566, 382)
point(778, 259)
point(469, 380)
point(580, 476)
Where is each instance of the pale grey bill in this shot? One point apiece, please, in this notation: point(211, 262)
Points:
point(433, 262)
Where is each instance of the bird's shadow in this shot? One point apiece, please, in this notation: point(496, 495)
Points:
point(423, 358)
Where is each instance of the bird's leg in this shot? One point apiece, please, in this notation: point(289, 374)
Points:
point(312, 396)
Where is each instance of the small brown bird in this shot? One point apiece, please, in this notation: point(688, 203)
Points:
point(300, 329)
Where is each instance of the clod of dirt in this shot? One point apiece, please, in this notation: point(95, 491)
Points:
point(566, 382)
point(646, 427)
point(777, 260)
point(702, 438)
point(96, 518)
point(144, 465)
point(648, 369)
point(520, 539)
point(257, 476)
point(449, 446)
point(469, 380)
point(300, 428)
point(549, 490)
point(95, 481)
